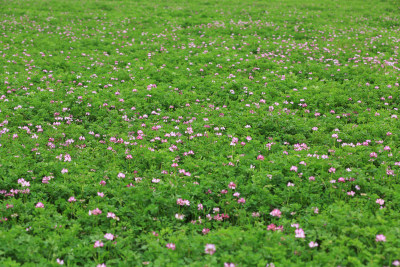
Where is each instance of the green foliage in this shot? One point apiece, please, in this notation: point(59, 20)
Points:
point(134, 133)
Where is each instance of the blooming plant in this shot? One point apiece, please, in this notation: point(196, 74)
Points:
point(199, 133)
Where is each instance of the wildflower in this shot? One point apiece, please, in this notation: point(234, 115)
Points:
point(95, 211)
point(232, 185)
point(98, 244)
point(61, 262)
point(380, 201)
point(293, 168)
point(111, 215)
point(71, 199)
point(67, 157)
point(170, 246)
point(101, 265)
point(205, 231)
point(23, 182)
point(121, 175)
point(209, 249)
point(179, 216)
point(373, 155)
point(226, 264)
point(351, 193)
point(64, 171)
point(276, 213)
point(241, 200)
point(380, 238)
point(260, 157)
point(182, 202)
point(271, 227)
point(200, 206)
point(313, 244)
point(396, 263)
point(100, 194)
point(39, 205)
point(109, 236)
point(300, 233)
point(103, 183)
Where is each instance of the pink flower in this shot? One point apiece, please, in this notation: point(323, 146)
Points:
point(293, 168)
point(313, 244)
point(373, 155)
point(380, 201)
point(200, 206)
point(260, 157)
point(100, 194)
point(111, 215)
point(170, 246)
point(98, 244)
point(205, 231)
point(101, 265)
point(182, 202)
point(226, 264)
point(71, 199)
point(121, 175)
point(380, 238)
point(232, 185)
point(241, 200)
point(396, 263)
point(103, 183)
point(179, 216)
point(351, 193)
point(39, 205)
point(209, 249)
point(109, 236)
point(64, 171)
point(61, 262)
point(95, 211)
point(276, 213)
point(300, 233)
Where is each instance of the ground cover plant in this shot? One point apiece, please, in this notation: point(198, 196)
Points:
point(199, 133)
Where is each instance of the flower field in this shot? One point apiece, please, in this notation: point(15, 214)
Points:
point(199, 133)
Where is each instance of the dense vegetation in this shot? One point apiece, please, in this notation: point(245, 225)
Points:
point(199, 133)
